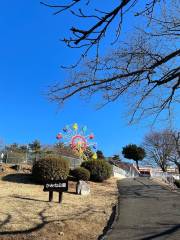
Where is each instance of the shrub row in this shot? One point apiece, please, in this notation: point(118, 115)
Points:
point(55, 168)
point(80, 173)
point(100, 170)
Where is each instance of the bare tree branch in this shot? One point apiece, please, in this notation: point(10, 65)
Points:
point(145, 69)
point(90, 36)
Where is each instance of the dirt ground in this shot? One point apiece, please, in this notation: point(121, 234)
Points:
point(26, 214)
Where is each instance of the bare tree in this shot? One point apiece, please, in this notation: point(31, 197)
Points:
point(146, 68)
point(175, 143)
point(159, 148)
point(64, 150)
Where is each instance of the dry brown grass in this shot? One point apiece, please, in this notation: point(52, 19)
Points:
point(26, 214)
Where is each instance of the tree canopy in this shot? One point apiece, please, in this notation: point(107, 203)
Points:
point(133, 152)
point(35, 146)
point(100, 154)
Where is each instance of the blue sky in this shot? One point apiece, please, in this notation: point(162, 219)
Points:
point(30, 59)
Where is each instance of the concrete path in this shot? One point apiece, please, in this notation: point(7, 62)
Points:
point(146, 211)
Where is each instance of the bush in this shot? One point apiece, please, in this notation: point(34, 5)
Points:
point(177, 183)
point(81, 173)
point(50, 168)
point(100, 170)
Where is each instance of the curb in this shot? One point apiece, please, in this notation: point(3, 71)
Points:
point(112, 220)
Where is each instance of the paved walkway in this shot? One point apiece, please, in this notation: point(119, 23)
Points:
point(146, 211)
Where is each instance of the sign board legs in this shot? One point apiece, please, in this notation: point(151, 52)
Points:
point(60, 197)
point(59, 186)
point(50, 196)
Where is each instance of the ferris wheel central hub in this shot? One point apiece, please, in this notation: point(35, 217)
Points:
point(77, 139)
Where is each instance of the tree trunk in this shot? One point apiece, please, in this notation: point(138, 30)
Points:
point(137, 165)
point(178, 166)
point(163, 167)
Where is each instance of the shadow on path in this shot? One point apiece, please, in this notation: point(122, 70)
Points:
point(166, 232)
point(146, 211)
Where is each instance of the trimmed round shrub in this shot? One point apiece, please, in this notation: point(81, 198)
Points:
point(50, 168)
point(100, 170)
point(80, 173)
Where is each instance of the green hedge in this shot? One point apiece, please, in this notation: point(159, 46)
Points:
point(50, 168)
point(100, 170)
point(80, 173)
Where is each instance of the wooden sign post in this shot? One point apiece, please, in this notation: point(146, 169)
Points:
point(56, 186)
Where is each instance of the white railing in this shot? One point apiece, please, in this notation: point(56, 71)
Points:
point(166, 177)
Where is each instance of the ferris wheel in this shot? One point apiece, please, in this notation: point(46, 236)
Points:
point(78, 139)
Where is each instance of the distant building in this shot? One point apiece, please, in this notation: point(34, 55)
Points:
point(149, 170)
point(145, 171)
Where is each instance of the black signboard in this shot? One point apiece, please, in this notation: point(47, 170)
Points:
point(56, 186)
